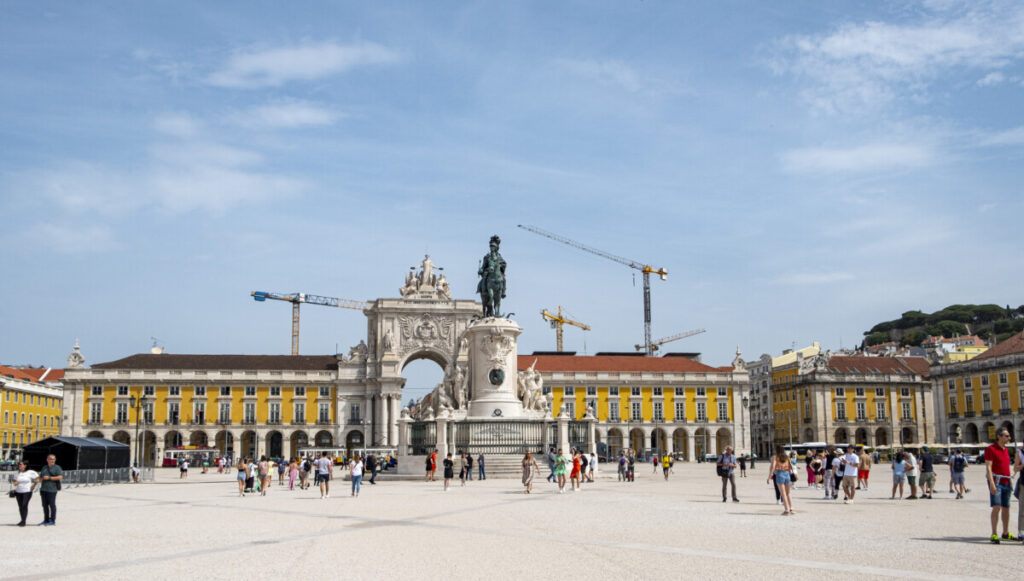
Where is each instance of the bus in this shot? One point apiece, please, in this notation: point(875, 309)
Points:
point(196, 455)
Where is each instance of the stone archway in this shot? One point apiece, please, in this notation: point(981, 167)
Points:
point(94, 434)
point(248, 444)
point(636, 441)
point(702, 442)
point(122, 437)
point(148, 439)
point(275, 444)
point(354, 442)
point(198, 438)
point(881, 437)
point(970, 434)
point(1009, 428)
point(988, 431)
point(173, 439)
point(225, 442)
point(907, 436)
point(841, 437)
point(324, 439)
point(659, 442)
point(299, 439)
point(615, 442)
point(681, 444)
point(723, 438)
point(861, 437)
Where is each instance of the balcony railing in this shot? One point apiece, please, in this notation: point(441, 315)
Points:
point(323, 422)
point(1005, 411)
point(969, 414)
point(249, 421)
point(274, 421)
point(986, 413)
point(299, 422)
point(121, 422)
point(954, 415)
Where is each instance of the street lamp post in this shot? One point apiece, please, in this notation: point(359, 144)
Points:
point(743, 420)
point(137, 403)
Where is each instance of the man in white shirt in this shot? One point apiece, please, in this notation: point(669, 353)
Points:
point(324, 468)
point(851, 462)
point(911, 475)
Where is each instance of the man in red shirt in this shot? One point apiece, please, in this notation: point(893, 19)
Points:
point(997, 472)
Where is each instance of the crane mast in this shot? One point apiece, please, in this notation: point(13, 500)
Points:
point(297, 299)
point(558, 321)
point(670, 338)
point(646, 269)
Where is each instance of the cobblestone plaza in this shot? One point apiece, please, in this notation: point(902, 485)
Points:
point(650, 529)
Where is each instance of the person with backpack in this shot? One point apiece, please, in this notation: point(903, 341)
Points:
point(307, 466)
point(957, 465)
point(469, 466)
point(370, 465)
point(622, 467)
point(726, 468)
point(584, 461)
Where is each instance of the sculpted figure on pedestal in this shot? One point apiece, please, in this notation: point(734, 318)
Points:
point(492, 280)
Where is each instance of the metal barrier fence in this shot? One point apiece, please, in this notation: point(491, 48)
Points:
point(499, 437)
point(77, 478)
point(423, 439)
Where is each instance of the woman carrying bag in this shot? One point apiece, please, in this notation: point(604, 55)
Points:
point(24, 484)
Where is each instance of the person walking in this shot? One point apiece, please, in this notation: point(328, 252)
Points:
point(324, 472)
point(293, 472)
point(828, 478)
point(591, 467)
point(50, 476)
point(957, 466)
point(551, 466)
point(927, 479)
point(851, 462)
point(306, 467)
point(24, 482)
point(430, 467)
point(242, 476)
point(530, 470)
point(449, 471)
point(911, 474)
point(462, 468)
point(655, 461)
point(864, 470)
point(562, 464)
point(370, 465)
point(183, 468)
point(780, 472)
point(666, 465)
point(574, 475)
point(815, 472)
point(899, 475)
point(726, 467)
point(1018, 467)
point(622, 467)
point(433, 464)
point(282, 465)
point(743, 466)
point(355, 470)
point(264, 470)
point(631, 466)
point(469, 466)
point(482, 475)
point(997, 474)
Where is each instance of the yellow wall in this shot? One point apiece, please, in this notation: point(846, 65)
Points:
point(647, 399)
point(47, 408)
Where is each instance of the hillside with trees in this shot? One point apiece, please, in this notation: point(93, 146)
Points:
point(985, 321)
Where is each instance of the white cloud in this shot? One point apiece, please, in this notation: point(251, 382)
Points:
point(873, 62)
point(1013, 136)
point(290, 115)
point(177, 124)
point(873, 157)
point(810, 278)
point(273, 67)
point(77, 239)
point(619, 74)
point(993, 78)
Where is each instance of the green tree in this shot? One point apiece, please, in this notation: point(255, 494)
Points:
point(876, 338)
point(913, 338)
point(912, 319)
point(947, 329)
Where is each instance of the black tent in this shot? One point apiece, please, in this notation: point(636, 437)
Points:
point(78, 453)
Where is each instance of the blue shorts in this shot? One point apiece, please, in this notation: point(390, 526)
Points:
point(782, 477)
point(1002, 495)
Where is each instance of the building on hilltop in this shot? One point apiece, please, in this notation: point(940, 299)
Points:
point(978, 396)
point(672, 404)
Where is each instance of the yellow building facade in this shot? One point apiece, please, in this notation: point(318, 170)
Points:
point(30, 410)
point(980, 395)
point(673, 405)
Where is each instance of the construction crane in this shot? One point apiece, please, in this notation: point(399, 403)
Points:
point(670, 338)
point(646, 269)
point(558, 321)
point(297, 299)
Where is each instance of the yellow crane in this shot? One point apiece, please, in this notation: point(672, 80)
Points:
point(297, 299)
point(558, 321)
point(646, 269)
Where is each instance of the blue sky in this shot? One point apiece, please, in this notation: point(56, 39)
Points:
point(802, 169)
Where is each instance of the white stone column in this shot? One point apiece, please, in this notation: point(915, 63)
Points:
point(442, 437)
point(691, 448)
point(396, 411)
point(378, 420)
point(563, 432)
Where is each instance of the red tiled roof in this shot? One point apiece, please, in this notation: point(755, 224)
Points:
point(616, 364)
point(218, 362)
point(886, 365)
point(44, 374)
point(1014, 344)
point(17, 373)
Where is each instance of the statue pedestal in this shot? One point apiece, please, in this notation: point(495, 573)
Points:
point(493, 362)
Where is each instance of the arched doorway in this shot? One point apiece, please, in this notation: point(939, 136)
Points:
point(702, 442)
point(636, 441)
point(681, 444)
point(173, 439)
point(300, 440)
point(198, 438)
point(988, 432)
point(1009, 428)
point(907, 436)
point(275, 444)
point(422, 373)
point(94, 434)
point(955, 433)
point(808, 435)
point(225, 442)
point(841, 437)
point(970, 434)
point(249, 444)
point(658, 441)
point(148, 448)
point(353, 442)
point(881, 437)
point(615, 445)
point(861, 437)
point(122, 436)
point(723, 438)
point(324, 439)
